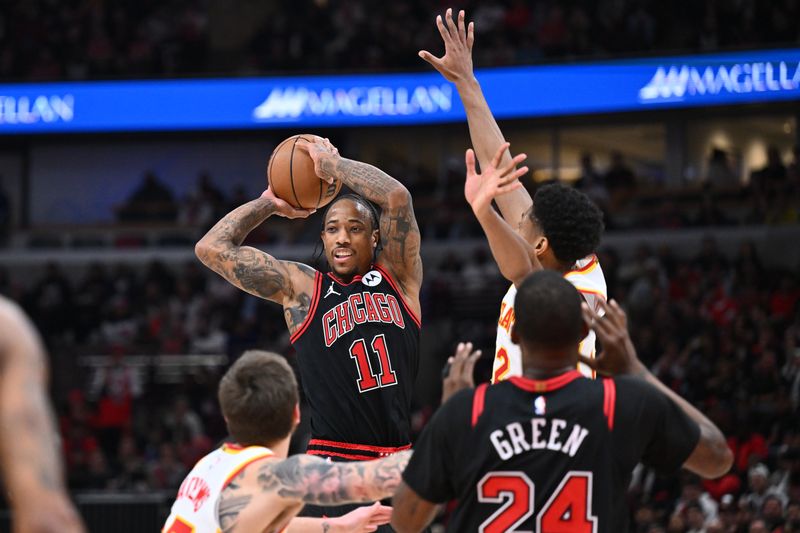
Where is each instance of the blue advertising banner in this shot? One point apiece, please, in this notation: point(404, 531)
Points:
point(397, 99)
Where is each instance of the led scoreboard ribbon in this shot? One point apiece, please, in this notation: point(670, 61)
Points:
point(398, 99)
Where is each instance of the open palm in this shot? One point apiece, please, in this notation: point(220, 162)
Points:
point(481, 189)
point(456, 63)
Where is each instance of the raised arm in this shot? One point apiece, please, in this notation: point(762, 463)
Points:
point(509, 249)
point(285, 282)
point(398, 226)
point(711, 457)
point(485, 134)
point(265, 491)
point(29, 449)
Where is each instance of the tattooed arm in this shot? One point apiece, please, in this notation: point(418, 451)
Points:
point(264, 492)
point(285, 282)
point(398, 226)
point(29, 448)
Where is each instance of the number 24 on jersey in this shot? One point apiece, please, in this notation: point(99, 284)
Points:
point(569, 509)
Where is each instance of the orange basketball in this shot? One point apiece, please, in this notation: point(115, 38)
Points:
point(291, 175)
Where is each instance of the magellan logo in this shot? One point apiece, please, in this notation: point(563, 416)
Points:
point(679, 82)
point(293, 102)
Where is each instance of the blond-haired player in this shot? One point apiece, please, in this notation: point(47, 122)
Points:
point(559, 229)
point(250, 485)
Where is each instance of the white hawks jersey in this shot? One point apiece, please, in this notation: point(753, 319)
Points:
point(195, 508)
point(587, 277)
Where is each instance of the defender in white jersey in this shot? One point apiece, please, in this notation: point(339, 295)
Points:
point(587, 277)
point(251, 486)
point(558, 230)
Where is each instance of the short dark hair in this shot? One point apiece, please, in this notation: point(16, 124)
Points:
point(258, 396)
point(572, 223)
point(357, 198)
point(548, 311)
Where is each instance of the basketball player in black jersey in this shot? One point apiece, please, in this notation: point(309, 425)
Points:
point(355, 328)
point(551, 451)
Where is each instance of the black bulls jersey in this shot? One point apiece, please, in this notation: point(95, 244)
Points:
point(550, 456)
point(358, 354)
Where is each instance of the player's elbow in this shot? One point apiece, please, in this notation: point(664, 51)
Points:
point(398, 197)
point(723, 459)
point(712, 458)
point(205, 250)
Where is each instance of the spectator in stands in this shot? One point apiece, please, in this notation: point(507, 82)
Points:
point(719, 174)
point(619, 180)
point(771, 179)
point(167, 471)
point(208, 339)
point(151, 201)
point(51, 302)
point(772, 512)
point(592, 183)
point(203, 206)
point(114, 388)
point(183, 422)
point(760, 488)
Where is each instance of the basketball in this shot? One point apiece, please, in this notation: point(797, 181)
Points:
point(291, 175)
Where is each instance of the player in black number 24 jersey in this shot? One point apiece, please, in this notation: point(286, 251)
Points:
point(355, 329)
point(552, 451)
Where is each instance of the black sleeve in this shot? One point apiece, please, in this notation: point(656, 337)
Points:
point(660, 434)
point(430, 472)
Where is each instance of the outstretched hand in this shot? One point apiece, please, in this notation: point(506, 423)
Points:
point(322, 152)
point(362, 519)
point(619, 354)
point(283, 209)
point(481, 189)
point(456, 63)
point(459, 370)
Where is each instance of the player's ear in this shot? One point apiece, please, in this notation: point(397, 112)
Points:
point(514, 334)
point(541, 245)
point(296, 414)
point(376, 237)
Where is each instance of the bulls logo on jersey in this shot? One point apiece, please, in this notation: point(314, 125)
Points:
point(372, 278)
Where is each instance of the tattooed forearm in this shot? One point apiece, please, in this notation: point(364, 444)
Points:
point(251, 269)
point(369, 181)
point(237, 224)
point(316, 481)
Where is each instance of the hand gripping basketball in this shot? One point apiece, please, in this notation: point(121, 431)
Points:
point(296, 171)
point(284, 209)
